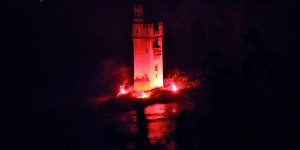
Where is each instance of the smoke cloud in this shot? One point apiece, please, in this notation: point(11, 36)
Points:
point(112, 75)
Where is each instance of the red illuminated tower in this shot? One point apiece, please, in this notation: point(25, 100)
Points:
point(148, 52)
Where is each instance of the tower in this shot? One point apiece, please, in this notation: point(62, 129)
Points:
point(147, 51)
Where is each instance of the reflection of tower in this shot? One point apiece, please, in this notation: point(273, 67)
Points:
point(143, 140)
point(148, 54)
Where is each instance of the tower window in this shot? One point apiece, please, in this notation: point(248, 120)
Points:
point(146, 50)
point(156, 75)
point(156, 68)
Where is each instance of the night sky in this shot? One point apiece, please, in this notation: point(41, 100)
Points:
point(56, 54)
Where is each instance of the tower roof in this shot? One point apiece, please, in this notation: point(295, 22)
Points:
point(142, 78)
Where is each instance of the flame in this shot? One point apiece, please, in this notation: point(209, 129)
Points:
point(122, 90)
point(174, 88)
point(144, 95)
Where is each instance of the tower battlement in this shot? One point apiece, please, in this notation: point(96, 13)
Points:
point(159, 32)
point(147, 30)
point(148, 25)
point(138, 13)
point(160, 27)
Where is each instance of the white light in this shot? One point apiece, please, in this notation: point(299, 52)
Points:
point(144, 95)
point(122, 89)
point(174, 88)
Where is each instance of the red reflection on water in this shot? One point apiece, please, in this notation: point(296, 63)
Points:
point(161, 123)
point(155, 109)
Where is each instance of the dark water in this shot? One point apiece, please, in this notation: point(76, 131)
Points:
point(150, 127)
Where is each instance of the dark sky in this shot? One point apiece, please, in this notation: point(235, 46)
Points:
point(56, 54)
point(56, 47)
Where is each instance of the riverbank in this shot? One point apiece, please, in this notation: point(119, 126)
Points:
point(127, 102)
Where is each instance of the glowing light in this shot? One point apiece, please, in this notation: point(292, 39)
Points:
point(144, 95)
point(174, 88)
point(122, 90)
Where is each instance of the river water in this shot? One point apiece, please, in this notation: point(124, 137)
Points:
point(150, 127)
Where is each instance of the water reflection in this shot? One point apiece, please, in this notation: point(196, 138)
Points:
point(160, 122)
point(143, 138)
point(151, 126)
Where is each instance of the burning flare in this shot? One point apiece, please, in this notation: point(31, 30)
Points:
point(122, 90)
point(174, 88)
point(144, 95)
